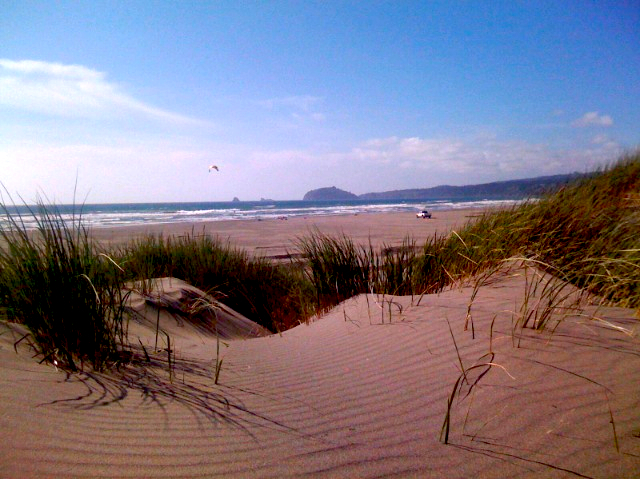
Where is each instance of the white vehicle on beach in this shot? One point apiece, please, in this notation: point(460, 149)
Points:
point(423, 214)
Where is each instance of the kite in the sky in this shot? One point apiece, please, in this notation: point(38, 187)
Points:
point(213, 167)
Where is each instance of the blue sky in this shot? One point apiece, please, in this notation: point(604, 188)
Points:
point(134, 100)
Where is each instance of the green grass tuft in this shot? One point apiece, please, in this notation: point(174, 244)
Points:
point(53, 281)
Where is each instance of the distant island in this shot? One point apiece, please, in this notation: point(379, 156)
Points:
point(512, 189)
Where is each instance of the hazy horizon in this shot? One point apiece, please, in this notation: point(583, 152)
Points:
point(16, 201)
point(134, 101)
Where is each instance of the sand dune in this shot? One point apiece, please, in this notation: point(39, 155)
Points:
point(180, 310)
point(360, 392)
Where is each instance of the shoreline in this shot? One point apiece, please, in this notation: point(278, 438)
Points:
point(276, 238)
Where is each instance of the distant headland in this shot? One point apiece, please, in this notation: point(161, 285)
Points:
point(512, 189)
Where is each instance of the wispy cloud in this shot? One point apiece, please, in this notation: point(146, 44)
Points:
point(299, 109)
point(592, 118)
point(301, 102)
point(71, 91)
point(448, 154)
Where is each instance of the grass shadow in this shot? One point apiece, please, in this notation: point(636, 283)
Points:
point(157, 381)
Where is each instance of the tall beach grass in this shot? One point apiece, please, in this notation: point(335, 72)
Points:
point(586, 233)
point(338, 269)
point(69, 297)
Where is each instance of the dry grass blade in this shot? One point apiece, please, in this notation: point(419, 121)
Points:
point(457, 388)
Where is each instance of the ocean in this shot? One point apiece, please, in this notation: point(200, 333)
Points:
point(110, 215)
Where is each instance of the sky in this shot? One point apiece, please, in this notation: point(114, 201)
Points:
point(110, 102)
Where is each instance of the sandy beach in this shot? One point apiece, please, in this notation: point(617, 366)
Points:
point(362, 391)
point(275, 237)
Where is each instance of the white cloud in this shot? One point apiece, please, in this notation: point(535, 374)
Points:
point(483, 158)
point(109, 170)
point(592, 118)
point(71, 91)
point(55, 69)
point(389, 163)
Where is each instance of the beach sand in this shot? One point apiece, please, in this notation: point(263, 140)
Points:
point(277, 237)
point(361, 391)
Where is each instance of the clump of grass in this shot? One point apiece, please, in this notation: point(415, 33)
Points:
point(71, 296)
point(396, 268)
point(53, 281)
point(337, 268)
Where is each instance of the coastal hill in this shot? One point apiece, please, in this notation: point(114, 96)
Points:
point(327, 194)
point(516, 189)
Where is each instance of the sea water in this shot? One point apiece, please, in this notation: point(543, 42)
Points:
point(109, 215)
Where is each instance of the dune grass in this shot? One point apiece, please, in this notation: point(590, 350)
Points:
point(587, 234)
point(338, 269)
point(69, 297)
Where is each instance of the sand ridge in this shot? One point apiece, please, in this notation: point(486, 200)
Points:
point(360, 392)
